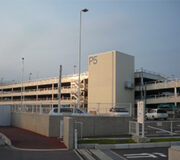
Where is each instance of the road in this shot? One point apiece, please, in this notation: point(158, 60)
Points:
point(7, 153)
point(143, 153)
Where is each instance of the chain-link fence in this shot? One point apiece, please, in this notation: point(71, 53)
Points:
point(155, 128)
point(30, 108)
point(107, 109)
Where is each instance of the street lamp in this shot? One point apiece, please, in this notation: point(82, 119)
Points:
point(30, 74)
point(74, 69)
point(79, 56)
point(22, 81)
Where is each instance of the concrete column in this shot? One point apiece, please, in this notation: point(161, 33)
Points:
point(36, 93)
point(68, 132)
point(175, 94)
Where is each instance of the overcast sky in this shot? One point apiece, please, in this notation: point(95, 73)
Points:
point(46, 33)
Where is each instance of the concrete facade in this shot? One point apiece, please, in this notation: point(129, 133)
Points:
point(33, 122)
point(45, 91)
point(5, 115)
point(92, 126)
point(108, 75)
point(101, 126)
point(156, 89)
point(174, 153)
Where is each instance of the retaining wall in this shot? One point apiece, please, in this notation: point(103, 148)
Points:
point(38, 123)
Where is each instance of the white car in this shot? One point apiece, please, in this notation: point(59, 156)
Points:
point(119, 111)
point(68, 111)
point(157, 114)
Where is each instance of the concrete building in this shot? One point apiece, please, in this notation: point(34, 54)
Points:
point(45, 91)
point(110, 81)
point(156, 89)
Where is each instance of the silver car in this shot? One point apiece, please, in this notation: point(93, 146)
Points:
point(68, 111)
point(157, 114)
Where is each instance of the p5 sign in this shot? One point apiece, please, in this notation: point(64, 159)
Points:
point(93, 60)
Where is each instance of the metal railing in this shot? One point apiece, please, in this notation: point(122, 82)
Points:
point(93, 108)
point(155, 128)
point(36, 108)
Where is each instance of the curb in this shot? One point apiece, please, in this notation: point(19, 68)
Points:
point(7, 141)
point(37, 150)
point(128, 146)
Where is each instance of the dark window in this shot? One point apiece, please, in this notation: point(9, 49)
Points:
point(66, 110)
point(161, 111)
point(78, 111)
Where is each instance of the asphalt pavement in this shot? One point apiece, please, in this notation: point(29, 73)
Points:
point(143, 153)
point(7, 153)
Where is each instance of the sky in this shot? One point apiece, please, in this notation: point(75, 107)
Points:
point(46, 34)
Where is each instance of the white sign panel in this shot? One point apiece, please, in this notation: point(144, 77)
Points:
point(141, 112)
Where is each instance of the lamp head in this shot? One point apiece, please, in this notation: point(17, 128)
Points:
point(84, 10)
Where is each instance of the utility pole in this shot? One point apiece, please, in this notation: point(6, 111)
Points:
point(60, 77)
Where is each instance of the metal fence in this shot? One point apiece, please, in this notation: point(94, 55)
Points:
point(105, 108)
point(27, 108)
point(93, 108)
point(155, 128)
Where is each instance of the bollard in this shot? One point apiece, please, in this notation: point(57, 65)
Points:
point(75, 139)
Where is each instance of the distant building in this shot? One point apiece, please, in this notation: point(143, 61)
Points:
point(156, 89)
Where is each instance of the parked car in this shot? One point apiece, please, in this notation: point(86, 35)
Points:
point(68, 111)
point(119, 111)
point(157, 114)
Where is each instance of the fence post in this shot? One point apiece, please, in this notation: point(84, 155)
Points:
point(75, 138)
point(171, 128)
point(40, 109)
point(130, 110)
point(98, 108)
point(32, 108)
point(61, 128)
point(137, 129)
point(129, 127)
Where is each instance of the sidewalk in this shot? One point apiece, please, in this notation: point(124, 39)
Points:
point(24, 139)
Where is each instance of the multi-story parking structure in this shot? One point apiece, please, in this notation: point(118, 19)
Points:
point(110, 80)
point(156, 89)
point(45, 91)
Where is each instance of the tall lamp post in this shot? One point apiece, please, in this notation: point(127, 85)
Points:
point(79, 56)
point(22, 81)
point(30, 74)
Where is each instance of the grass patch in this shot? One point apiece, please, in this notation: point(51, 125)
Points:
point(165, 140)
point(106, 141)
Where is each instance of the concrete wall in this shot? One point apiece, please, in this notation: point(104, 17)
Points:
point(100, 126)
point(101, 80)
point(124, 73)
point(54, 125)
point(33, 122)
point(68, 133)
point(108, 73)
point(174, 153)
point(5, 115)
point(92, 126)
